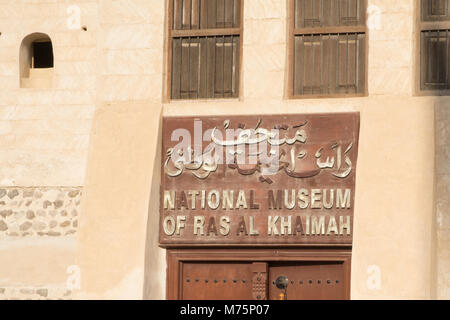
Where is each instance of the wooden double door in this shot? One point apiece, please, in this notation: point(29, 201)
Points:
point(273, 274)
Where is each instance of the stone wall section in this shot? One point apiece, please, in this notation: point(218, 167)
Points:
point(48, 211)
point(35, 293)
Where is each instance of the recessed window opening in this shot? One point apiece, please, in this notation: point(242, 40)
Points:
point(36, 61)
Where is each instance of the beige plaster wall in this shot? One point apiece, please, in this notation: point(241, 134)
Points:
point(112, 235)
point(442, 258)
point(120, 181)
point(44, 138)
point(44, 133)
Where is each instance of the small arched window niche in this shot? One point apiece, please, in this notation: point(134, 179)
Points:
point(36, 61)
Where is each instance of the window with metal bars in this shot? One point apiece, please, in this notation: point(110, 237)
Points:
point(205, 48)
point(328, 47)
point(434, 45)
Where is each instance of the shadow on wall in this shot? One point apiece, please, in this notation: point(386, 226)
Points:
point(36, 61)
point(154, 279)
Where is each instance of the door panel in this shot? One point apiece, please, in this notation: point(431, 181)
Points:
point(217, 281)
point(249, 274)
point(309, 280)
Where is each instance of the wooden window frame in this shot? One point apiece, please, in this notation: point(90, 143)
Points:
point(423, 26)
point(176, 257)
point(199, 33)
point(292, 32)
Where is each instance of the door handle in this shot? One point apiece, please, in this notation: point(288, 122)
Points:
point(282, 283)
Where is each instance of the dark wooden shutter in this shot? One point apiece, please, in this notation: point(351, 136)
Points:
point(329, 47)
point(434, 10)
point(435, 55)
point(205, 41)
point(434, 45)
point(329, 13)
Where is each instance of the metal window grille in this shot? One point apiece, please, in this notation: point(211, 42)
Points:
point(435, 55)
point(434, 45)
point(329, 64)
point(329, 44)
point(205, 42)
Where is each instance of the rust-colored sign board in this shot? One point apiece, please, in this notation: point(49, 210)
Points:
point(270, 180)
